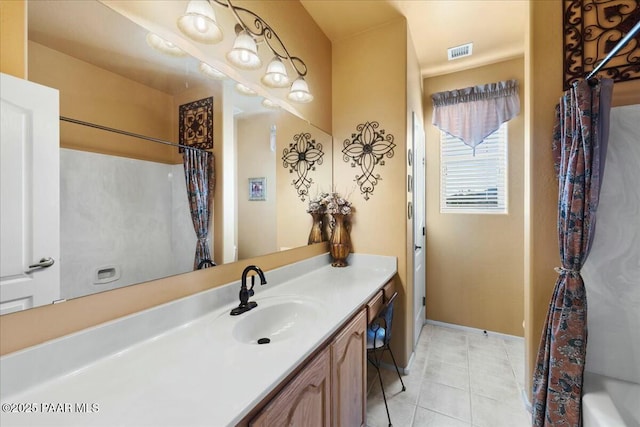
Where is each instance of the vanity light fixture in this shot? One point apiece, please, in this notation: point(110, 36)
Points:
point(245, 52)
point(199, 19)
point(300, 91)
point(276, 75)
point(164, 46)
point(245, 90)
point(199, 22)
point(211, 72)
point(267, 103)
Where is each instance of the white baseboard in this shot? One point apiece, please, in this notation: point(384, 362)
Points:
point(474, 330)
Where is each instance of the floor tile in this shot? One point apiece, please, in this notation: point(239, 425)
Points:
point(446, 400)
point(457, 379)
point(393, 387)
point(427, 418)
point(401, 413)
point(444, 373)
point(493, 413)
point(453, 356)
point(505, 390)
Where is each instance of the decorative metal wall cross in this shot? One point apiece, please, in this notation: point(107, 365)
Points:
point(301, 157)
point(367, 149)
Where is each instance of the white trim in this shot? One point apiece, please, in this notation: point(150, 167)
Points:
point(474, 330)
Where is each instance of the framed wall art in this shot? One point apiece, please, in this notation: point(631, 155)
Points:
point(258, 188)
point(196, 124)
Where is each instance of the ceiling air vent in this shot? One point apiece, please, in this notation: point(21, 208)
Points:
point(460, 51)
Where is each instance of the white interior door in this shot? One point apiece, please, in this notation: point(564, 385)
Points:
point(419, 261)
point(30, 211)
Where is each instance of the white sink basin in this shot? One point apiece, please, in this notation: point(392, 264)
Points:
point(276, 320)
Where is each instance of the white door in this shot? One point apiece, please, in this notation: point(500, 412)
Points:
point(418, 226)
point(29, 212)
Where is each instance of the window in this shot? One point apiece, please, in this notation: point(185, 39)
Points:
point(474, 183)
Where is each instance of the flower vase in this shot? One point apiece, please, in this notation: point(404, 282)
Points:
point(340, 243)
point(316, 235)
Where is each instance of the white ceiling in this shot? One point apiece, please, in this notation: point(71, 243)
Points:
point(496, 27)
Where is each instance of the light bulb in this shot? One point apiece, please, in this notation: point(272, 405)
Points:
point(201, 24)
point(244, 56)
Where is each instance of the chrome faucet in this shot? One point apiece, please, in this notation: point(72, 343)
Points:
point(245, 304)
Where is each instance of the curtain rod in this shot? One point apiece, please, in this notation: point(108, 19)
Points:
point(635, 30)
point(122, 132)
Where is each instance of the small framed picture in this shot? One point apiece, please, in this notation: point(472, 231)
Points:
point(258, 188)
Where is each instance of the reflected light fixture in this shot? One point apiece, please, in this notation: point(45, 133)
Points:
point(267, 103)
point(276, 75)
point(245, 90)
point(199, 19)
point(300, 91)
point(199, 22)
point(245, 52)
point(164, 46)
point(211, 72)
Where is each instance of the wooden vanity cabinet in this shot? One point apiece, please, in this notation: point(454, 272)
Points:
point(305, 401)
point(348, 374)
point(330, 389)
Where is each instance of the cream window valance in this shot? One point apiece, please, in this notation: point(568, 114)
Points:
point(471, 114)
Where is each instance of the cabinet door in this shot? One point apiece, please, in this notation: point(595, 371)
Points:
point(305, 401)
point(348, 374)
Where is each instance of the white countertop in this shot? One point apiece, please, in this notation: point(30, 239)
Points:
point(195, 373)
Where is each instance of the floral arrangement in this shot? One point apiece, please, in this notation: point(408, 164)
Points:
point(318, 204)
point(330, 203)
point(338, 205)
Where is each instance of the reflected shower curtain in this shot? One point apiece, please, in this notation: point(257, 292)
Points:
point(200, 180)
point(579, 146)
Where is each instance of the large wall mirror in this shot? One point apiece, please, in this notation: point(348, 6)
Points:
point(124, 212)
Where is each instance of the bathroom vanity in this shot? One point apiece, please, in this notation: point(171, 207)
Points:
point(189, 362)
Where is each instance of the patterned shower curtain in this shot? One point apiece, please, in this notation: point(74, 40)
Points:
point(579, 146)
point(200, 180)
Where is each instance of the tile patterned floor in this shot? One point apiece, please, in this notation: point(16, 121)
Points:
point(459, 378)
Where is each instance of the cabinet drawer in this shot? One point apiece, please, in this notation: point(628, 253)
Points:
point(388, 290)
point(374, 306)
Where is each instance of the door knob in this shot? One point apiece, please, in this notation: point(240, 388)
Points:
point(418, 247)
point(43, 263)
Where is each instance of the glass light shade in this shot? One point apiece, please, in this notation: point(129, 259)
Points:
point(245, 52)
point(199, 23)
point(267, 103)
point(276, 75)
point(211, 72)
point(300, 91)
point(245, 90)
point(161, 45)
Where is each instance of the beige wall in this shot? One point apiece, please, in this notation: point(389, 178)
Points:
point(13, 36)
point(256, 219)
point(293, 222)
point(95, 95)
point(544, 81)
point(475, 262)
point(370, 84)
